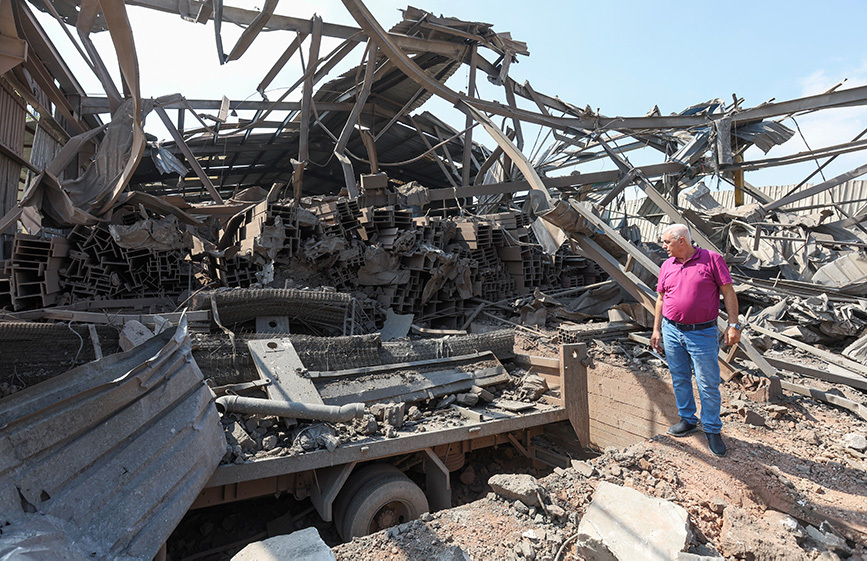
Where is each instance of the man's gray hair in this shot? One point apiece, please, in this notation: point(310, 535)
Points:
point(678, 231)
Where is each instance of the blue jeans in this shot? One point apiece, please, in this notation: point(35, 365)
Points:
point(688, 353)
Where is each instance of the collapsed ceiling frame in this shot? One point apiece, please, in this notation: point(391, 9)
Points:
point(412, 62)
point(363, 122)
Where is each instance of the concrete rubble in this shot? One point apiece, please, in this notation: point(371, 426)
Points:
point(353, 284)
point(612, 527)
point(303, 545)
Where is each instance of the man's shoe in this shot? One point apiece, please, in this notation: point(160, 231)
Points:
point(716, 444)
point(682, 429)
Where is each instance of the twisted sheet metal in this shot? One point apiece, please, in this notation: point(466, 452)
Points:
point(104, 460)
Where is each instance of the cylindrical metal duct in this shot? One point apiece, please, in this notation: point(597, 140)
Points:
point(290, 409)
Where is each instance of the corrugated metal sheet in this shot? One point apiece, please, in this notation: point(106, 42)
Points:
point(108, 456)
point(850, 196)
point(12, 115)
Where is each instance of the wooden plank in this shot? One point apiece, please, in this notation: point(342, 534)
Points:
point(638, 419)
point(277, 360)
point(648, 410)
point(630, 433)
point(603, 435)
point(613, 425)
point(600, 385)
point(545, 362)
point(574, 384)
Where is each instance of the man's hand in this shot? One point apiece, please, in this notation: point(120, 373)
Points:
point(733, 335)
point(656, 340)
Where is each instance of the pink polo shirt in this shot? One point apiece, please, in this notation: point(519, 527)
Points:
point(691, 290)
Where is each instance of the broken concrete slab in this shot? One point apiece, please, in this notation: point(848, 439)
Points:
point(583, 468)
point(303, 545)
point(622, 524)
point(134, 334)
point(855, 441)
point(517, 487)
point(396, 325)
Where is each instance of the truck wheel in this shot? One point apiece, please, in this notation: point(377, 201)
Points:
point(383, 501)
point(355, 482)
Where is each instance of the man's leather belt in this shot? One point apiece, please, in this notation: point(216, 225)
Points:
point(692, 326)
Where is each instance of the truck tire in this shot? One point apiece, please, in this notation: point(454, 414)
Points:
point(355, 482)
point(383, 501)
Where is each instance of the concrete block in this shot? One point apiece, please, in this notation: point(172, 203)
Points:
point(241, 437)
point(583, 468)
point(392, 414)
point(696, 557)
point(855, 441)
point(303, 545)
point(521, 487)
point(374, 181)
point(134, 334)
point(483, 394)
point(752, 418)
point(623, 524)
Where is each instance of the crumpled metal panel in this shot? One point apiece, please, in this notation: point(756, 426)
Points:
point(764, 134)
point(847, 273)
point(104, 460)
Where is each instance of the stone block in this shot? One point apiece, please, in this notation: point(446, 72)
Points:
point(134, 333)
point(583, 468)
point(517, 487)
point(855, 441)
point(303, 545)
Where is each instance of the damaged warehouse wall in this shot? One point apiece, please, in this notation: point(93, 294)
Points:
point(333, 226)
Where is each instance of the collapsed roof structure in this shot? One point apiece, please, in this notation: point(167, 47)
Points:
point(402, 213)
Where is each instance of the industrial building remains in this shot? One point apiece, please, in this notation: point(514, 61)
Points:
point(337, 295)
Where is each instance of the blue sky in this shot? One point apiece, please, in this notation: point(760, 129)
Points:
point(619, 57)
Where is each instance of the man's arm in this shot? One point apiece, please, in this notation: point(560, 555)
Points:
point(730, 299)
point(657, 323)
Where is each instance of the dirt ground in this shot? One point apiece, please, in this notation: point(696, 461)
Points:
point(788, 473)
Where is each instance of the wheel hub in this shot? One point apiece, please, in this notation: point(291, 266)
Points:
point(388, 516)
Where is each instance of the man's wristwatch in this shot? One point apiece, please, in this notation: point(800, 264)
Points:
point(737, 326)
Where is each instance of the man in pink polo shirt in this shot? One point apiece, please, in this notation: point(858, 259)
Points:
point(687, 307)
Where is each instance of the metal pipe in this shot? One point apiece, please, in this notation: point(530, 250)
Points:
point(289, 409)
